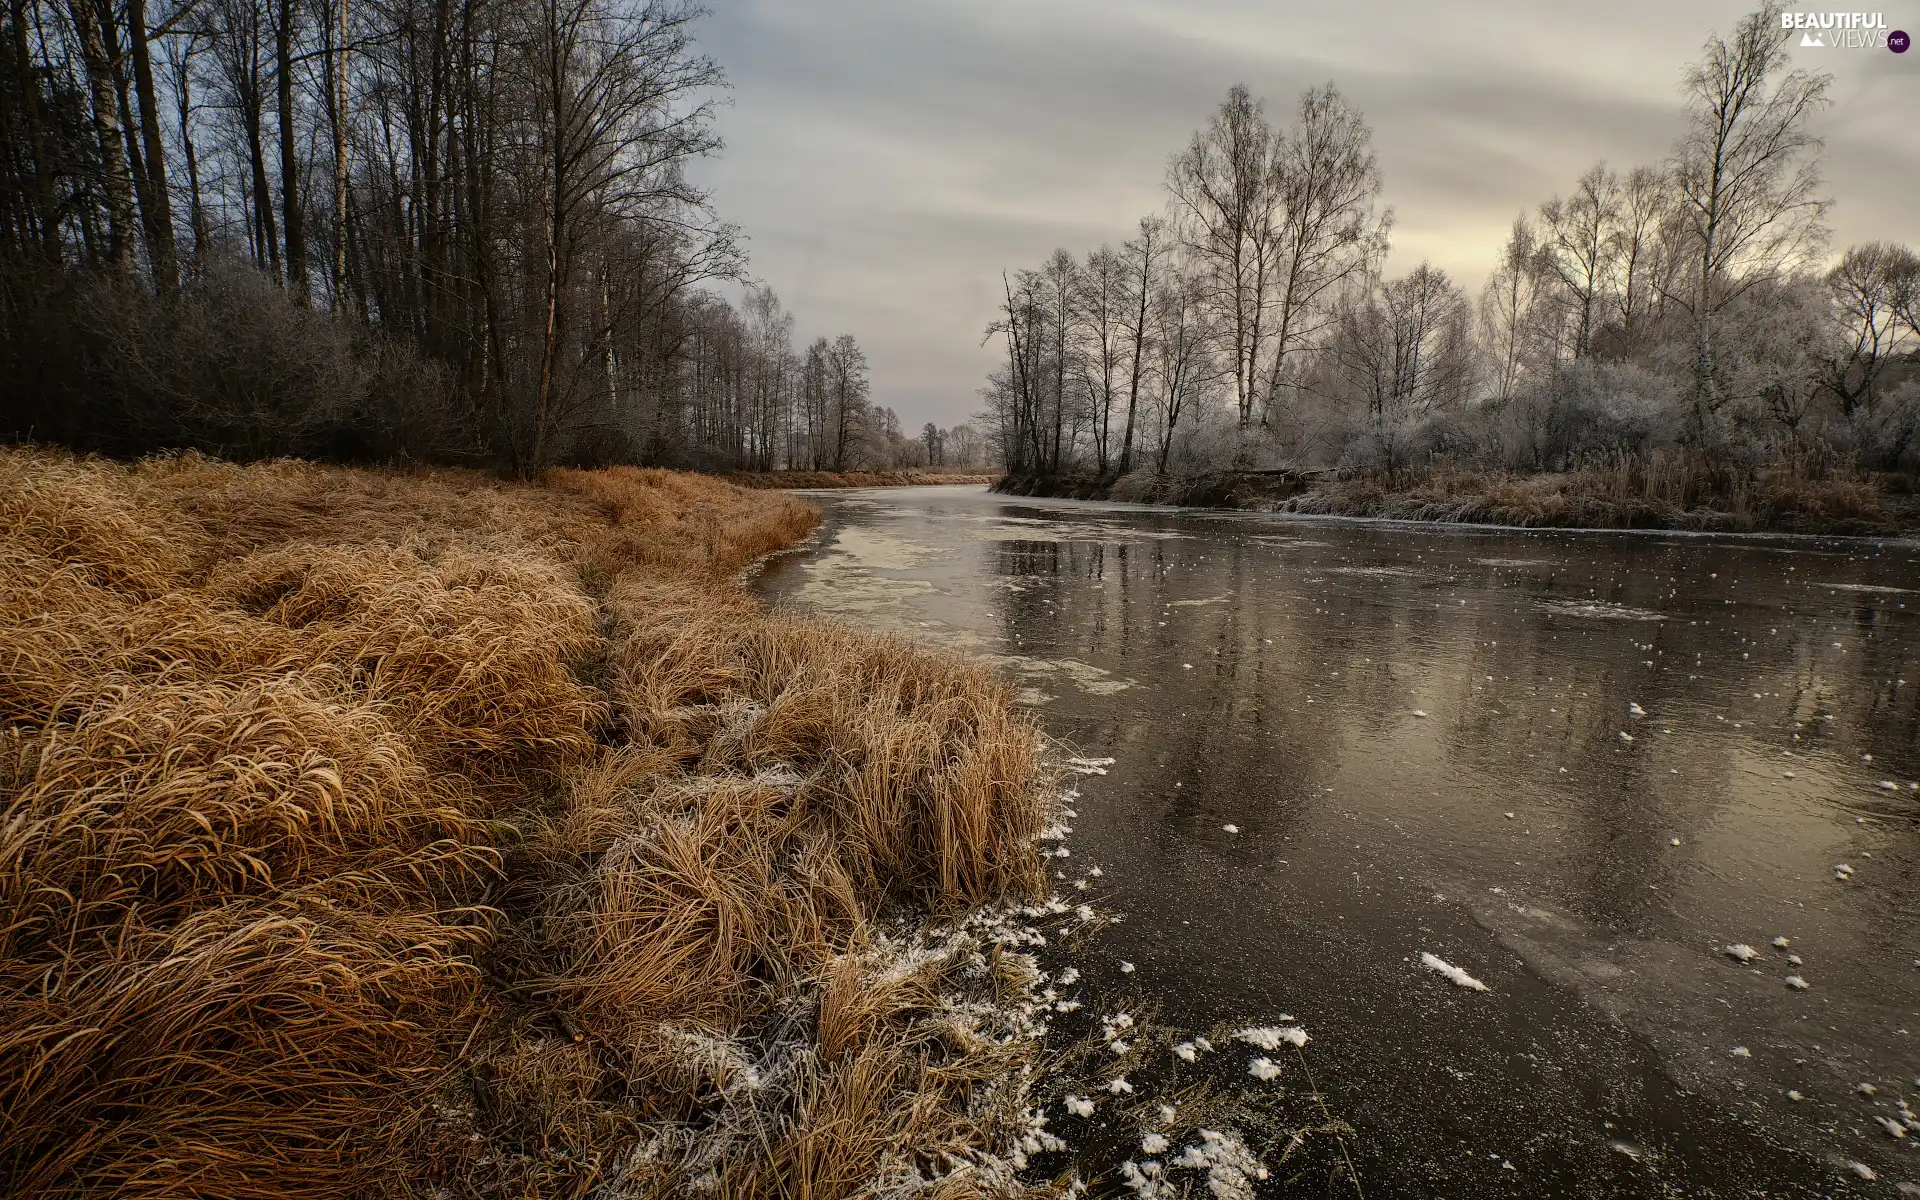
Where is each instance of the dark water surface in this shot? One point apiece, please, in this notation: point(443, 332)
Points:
point(1271, 673)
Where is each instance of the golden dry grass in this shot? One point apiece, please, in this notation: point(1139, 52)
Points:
point(366, 833)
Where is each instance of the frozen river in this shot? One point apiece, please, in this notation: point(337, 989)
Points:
point(1576, 765)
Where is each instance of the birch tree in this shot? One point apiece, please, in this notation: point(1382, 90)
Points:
point(1330, 232)
point(1750, 192)
point(1226, 192)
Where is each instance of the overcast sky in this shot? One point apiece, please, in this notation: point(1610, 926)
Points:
point(888, 158)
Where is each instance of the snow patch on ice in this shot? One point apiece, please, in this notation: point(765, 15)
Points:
point(1454, 975)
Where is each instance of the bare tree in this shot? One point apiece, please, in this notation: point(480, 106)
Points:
point(1579, 239)
point(1643, 269)
point(1226, 193)
point(847, 392)
point(1329, 184)
point(1144, 263)
point(1865, 293)
point(109, 132)
point(618, 107)
point(156, 204)
point(1100, 304)
point(1184, 344)
point(1015, 394)
point(292, 209)
point(1510, 306)
point(1747, 173)
point(1405, 352)
point(1056, 286)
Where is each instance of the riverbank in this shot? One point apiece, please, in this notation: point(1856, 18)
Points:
point(855, 479)
point(377, 833)
point(1590, 499)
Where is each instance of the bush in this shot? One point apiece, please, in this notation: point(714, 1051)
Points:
point(232, 366)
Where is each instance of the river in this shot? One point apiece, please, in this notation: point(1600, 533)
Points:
point(1577, 765)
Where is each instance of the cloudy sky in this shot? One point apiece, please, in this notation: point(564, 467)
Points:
point(888, 158)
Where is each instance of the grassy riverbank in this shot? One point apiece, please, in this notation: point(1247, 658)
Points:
point(856, 479)
point(377, 834)
point(1665, 495)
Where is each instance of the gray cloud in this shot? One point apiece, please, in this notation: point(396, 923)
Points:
point(888, 160)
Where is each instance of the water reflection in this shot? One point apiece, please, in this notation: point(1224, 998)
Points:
point(1576, 764)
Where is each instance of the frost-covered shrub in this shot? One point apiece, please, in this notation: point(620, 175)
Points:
point(1584, 409)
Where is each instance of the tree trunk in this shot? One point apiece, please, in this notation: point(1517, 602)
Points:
point(266, 234)
point(45, 210)
point(136, 160)
point(162, 251)
point(1139, 347)
point(337, 93)
point(291, 209)
point(108, 132)
point(197, 212)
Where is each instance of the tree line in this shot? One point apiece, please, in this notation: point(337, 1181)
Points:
point(434, 228)
point(1689, 305)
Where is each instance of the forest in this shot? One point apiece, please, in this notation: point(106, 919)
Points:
point(397, 230)
point(1688, 314)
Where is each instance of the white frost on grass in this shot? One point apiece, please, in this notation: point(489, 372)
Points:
point(1232, 1170)
point(1185, 1052)
point(1740, 952)
point(1272, 1037)
point(1154, 1143)
point(1146, 1182)
point(1119, 1086)
point(1454, 975)
point(1264, 1069)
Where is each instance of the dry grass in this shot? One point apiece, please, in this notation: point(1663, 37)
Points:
point(367, 833)
point(856, 479)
